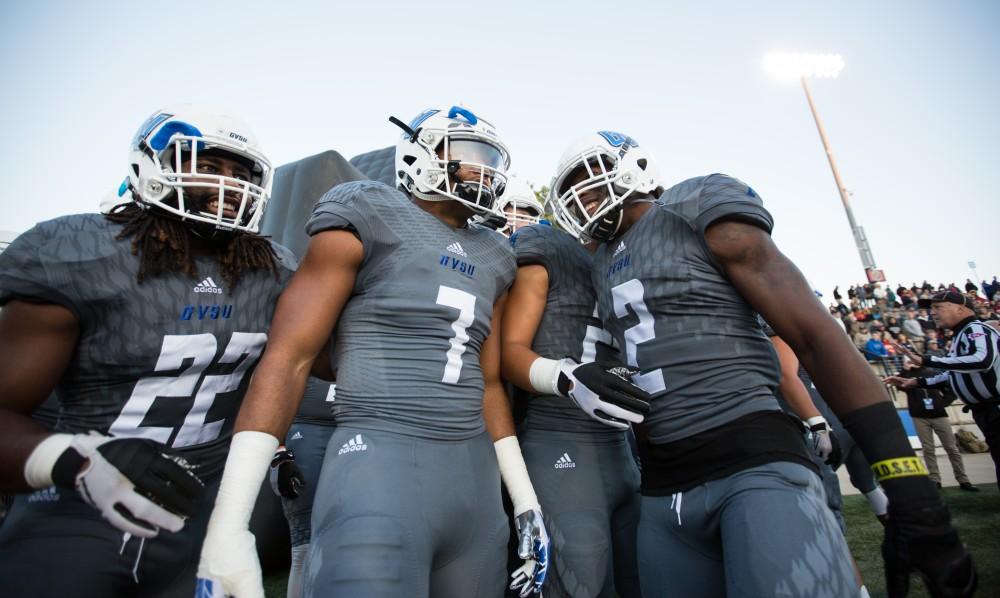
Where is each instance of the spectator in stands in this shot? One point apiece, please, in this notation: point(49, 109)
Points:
point(970, 287)
point(874, 348)
point(878, 295)
point(893, 326)
point(927, 408)
point(890, 298)
point(852, 293)
point(906, 298)
point(836, 294)
point(925, 320)
point(992, 289)
point(912, 327)
point(932, 347)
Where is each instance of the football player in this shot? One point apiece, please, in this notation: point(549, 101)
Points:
point(410, 499)
point(731, 499)
point(578, 414)
point(147, 321)
point(519, 205)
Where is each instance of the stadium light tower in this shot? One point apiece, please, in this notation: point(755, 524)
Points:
point(791, 65)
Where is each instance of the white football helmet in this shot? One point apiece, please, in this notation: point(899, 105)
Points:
point(519, 205)
point(158, 176)
point(613, 168)
point(438, 144)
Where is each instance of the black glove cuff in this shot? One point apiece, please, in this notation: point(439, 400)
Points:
point(66, 469)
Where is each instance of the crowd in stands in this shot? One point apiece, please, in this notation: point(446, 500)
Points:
point(876, 315)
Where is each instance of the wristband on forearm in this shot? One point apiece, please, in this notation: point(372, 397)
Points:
point(878, 432)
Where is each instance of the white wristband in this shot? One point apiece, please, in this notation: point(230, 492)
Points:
point(544, 376)
point(249, 458)
point(515, 475)
point(816, 419)
point(38, 467)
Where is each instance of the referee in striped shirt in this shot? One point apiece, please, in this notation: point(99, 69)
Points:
point(972, 366)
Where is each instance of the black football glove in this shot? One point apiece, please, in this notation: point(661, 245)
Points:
point(286, 478)
point(922, 540)
point(137, 484)
point(605, 392)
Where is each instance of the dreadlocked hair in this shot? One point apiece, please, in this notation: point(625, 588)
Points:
point(163, 246)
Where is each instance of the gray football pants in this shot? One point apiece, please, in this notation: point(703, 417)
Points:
point(396, 515)
point(588, 488)
point(308, 443)
point(764, 531)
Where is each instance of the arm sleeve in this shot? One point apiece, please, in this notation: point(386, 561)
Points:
point(981, 359)
point(723, 197)
point(936, 381)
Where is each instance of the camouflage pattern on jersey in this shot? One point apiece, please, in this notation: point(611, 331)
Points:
point(169, 359)
point(662, 297)
point(408, 340)
point(569, 326)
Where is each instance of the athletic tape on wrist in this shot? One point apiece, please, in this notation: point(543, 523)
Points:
point(902, 467)
point(38, 466)
point(249, 457)
point(515, 475)
point(544, 376)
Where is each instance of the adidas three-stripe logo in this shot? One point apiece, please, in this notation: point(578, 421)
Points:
point(621, 248)
point(208, 286)
point(456, 247)
point(353, 445)
point(564, 462)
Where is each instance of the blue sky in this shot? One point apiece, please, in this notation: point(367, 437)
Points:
point(911, 120)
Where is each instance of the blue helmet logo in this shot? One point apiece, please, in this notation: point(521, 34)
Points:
point(618, 139)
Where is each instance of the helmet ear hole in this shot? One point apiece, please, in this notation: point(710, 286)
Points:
point(642, 163)
point(409, 160)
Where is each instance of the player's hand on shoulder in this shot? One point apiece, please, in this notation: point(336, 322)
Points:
point(605, 392)
point(533, 546)
point(137, 484)
point(922, 540)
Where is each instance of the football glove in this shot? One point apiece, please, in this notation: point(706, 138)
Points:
point(604, 392)
point(137, 484)
point(923, 540)
point(824, 441)
point(533, 548)
point(286, 478)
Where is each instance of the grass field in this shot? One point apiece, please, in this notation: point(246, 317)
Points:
point(976, 515)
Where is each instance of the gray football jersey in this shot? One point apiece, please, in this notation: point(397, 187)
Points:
point(408, 340)
point(169, 359)
point(317, 402)
point(569, 325)
point(696, 340)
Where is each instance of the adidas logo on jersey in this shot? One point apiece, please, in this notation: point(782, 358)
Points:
point(297, 435)
point(208, 286)
point(564, 462)
point(456, 247)
point(621, 248)
point(353, 445)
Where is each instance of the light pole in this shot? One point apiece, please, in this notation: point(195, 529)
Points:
point(789, 65)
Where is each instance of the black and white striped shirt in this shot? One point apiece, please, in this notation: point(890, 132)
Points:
point(972, 367)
